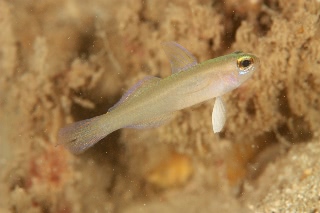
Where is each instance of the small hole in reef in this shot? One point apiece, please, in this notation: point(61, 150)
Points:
point(86, 44)
point(251, 108)
point(264, 23)
point(297, 131)
point(284, 107)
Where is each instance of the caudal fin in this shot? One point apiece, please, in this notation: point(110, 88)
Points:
point(79, 136)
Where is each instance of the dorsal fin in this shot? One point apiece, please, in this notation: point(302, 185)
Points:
point(145, 82)
point(180, 58)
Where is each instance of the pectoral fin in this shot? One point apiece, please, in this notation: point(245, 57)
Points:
point(218, 115)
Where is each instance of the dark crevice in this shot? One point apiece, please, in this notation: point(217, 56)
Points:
point(266, 139)
point(251, 108)
point(210, 43)
point(284, 107)
point(268, 148)
point(295, 130)
point(143, 19)
point(264, 23)
point(86, 43)
point(273, 5)
point(231, 30)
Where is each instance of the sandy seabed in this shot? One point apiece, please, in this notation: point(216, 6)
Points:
point(65, 61)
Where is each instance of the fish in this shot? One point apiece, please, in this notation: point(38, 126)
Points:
point(152, 101)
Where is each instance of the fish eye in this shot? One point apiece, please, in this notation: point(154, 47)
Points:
point(245, 62)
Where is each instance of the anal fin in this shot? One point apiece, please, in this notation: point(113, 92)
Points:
point(153, 122)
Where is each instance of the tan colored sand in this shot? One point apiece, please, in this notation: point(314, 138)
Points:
point(63, 61)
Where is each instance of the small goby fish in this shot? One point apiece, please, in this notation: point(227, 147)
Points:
point(152, 101)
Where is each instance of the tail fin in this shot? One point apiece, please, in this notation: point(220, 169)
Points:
point(79, 136)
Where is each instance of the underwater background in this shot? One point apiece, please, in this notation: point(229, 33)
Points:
point(65, 61)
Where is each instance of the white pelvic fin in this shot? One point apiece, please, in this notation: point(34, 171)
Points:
point(218, 115)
